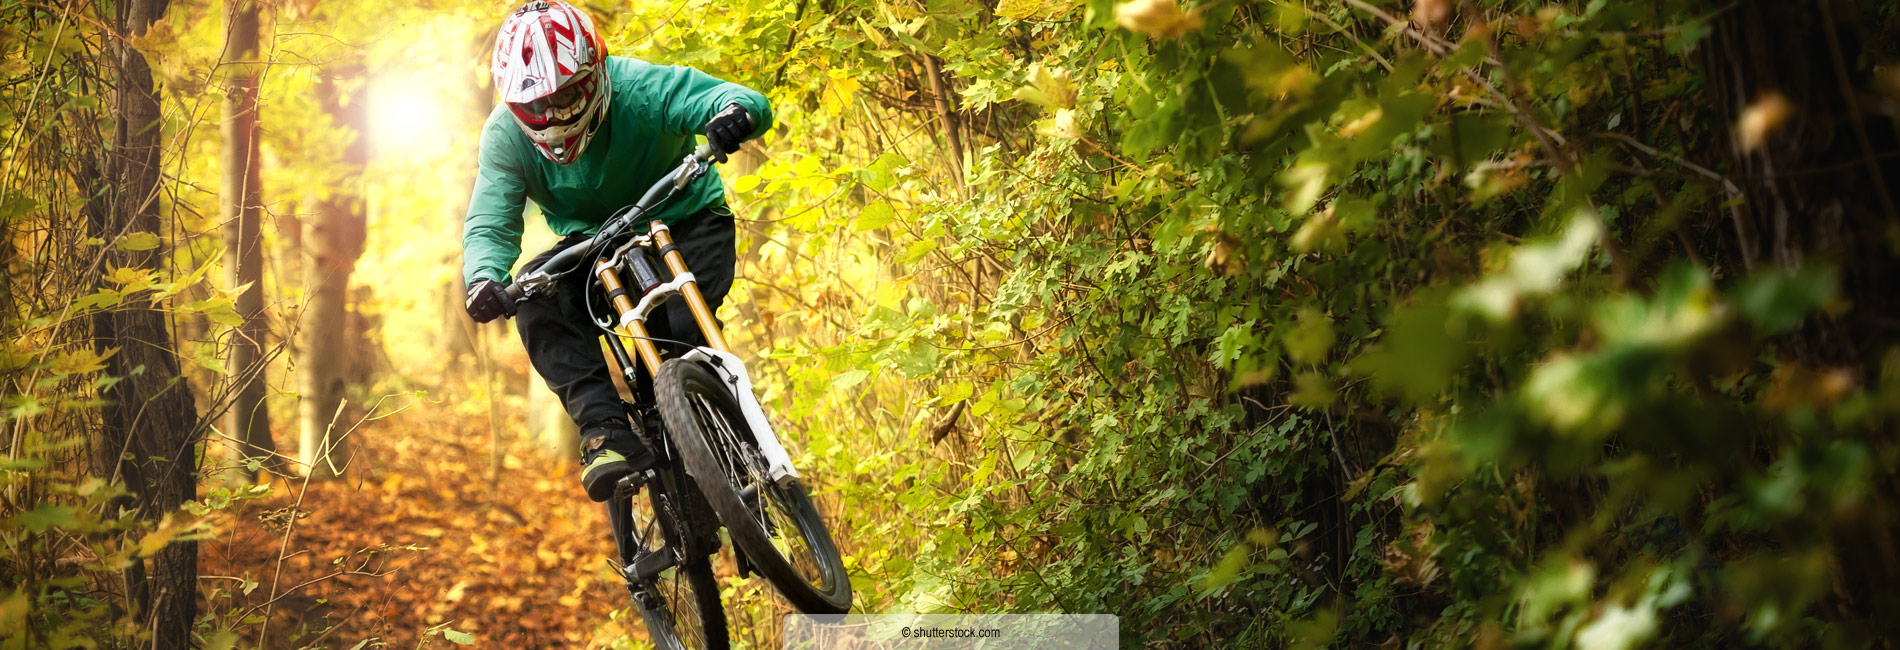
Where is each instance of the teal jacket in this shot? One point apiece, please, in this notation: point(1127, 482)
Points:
point(655, 112)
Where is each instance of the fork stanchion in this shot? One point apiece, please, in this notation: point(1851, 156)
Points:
point(623, 304)
point(676, 264)
point(643, 344)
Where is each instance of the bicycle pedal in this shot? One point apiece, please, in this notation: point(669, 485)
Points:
point(632, 483)
point(653, 564)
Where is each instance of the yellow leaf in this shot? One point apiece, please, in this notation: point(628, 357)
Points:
point(1430, 12)
point(1020, 9)
point(82, 360)
point(156, 540)
point(1762, 119)
point(139, 241)
point(954, 392)
point(128, 275)
point(1048, 87)
point(1157, 18)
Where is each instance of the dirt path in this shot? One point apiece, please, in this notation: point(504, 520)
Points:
point(415, 538)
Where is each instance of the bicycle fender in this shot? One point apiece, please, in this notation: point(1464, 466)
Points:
point(731, 370)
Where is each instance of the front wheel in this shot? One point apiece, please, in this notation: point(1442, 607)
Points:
point(775, 526)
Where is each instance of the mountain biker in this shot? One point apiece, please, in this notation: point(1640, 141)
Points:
point(581, 134)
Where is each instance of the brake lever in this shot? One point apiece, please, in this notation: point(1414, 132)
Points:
point(694, 166)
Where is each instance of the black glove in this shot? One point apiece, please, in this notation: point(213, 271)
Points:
point(728, 129)
point(487, 300)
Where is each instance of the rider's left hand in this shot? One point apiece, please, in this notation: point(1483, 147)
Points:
point(728, 129)
point(487, 301)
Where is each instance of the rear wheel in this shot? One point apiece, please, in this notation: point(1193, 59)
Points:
point(775, 526)
point(680, 605)
point(688, 615)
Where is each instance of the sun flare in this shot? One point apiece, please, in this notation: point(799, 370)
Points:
point(412, 117)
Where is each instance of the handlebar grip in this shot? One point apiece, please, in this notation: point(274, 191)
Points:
point(706, 152)
point(514, 294)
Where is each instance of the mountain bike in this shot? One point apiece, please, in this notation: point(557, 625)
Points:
point(718, 460)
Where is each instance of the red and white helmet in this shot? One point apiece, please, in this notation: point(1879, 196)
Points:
point(550, 68)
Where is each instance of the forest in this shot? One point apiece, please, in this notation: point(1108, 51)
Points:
point(1254, 323)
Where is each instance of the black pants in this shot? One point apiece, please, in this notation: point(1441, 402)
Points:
point(564, 345)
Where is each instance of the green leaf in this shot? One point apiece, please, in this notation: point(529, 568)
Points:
point(1309, 342)
point(846, 380)
point(876, 215)
point(955, 391)
point(1316, 632)
point(1476, 137)
point(983, 470)
point(222, 640)
point(16, 206)
point(1418, 354)
point(1314, 391)
point(458, 637)
point(921, 359)
point(44, 517)
point(1777, 301)
point(1228, 570)
point(218, 309)
point(917, 250)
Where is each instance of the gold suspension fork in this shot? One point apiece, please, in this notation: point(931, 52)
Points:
point(676, 264)
point(623, 305)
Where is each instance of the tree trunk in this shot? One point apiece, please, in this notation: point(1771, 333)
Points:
point(333, 239)
point(1815, 193)
point(238, 207)
point(363, 338)
point(148, 427)
point(456, 336)
point(548, 421)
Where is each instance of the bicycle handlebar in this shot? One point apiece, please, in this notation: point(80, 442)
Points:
point(694, 166)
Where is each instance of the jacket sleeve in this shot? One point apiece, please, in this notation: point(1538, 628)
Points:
point(685, 99)
point(491, 233)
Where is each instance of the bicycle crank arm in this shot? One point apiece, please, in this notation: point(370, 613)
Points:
point(732, 371)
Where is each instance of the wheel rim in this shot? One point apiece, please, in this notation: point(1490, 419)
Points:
point(771, 507)
point(683, 608)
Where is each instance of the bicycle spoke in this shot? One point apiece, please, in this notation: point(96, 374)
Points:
point(748, 470)
point(774, 524)
point(685, 608)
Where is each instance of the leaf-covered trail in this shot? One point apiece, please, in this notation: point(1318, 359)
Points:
point(415, 538)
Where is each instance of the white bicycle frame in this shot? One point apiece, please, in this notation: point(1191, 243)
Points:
point(732, 371)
